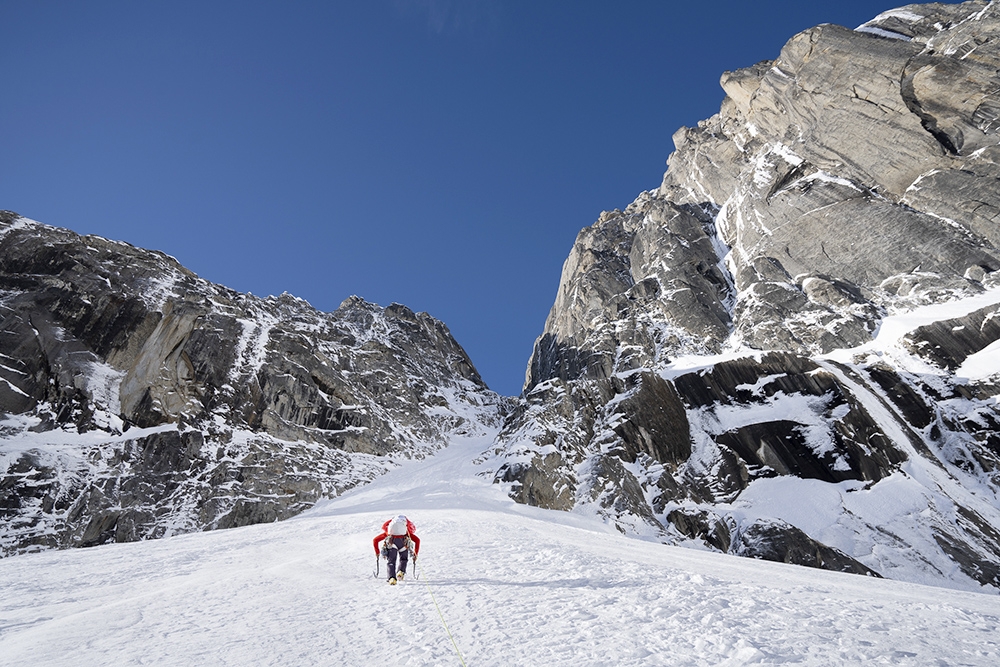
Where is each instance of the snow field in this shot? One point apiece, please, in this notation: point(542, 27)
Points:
point(515, 586)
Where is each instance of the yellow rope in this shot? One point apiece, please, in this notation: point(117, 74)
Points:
point(445, 623)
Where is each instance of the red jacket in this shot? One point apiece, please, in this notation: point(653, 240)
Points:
point(410, 531)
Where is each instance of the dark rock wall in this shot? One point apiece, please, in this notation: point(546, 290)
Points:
point(204, 407)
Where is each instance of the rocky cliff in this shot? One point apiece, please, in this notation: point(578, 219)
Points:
point(138, 400)
point(787, 349)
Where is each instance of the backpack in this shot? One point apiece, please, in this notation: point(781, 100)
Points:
point(397, 527)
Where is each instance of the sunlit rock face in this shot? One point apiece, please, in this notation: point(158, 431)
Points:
point(729, 362)
point(138, 400)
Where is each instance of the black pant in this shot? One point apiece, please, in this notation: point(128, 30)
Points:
point(397, 546)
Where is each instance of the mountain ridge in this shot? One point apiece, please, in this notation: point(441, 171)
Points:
point(141, 400)
point(769, 355)
point(842, 185)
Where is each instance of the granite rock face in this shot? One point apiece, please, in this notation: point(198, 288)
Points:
point(720, 365)
point(787, 350)
point(620, 307)
point(138, 400)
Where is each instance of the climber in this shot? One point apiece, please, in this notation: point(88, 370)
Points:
point(398, 537)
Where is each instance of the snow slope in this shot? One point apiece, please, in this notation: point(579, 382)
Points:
point(510, 584)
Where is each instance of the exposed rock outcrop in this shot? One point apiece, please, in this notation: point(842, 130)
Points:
point(720, 364)
point(138, 400)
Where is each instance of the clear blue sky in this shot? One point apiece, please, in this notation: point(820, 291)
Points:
point(437, 153)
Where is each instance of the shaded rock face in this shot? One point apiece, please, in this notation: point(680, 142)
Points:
point(692, 380)
point(138, 400)
point(766, 540)
point(948, 343)
point(819, 429)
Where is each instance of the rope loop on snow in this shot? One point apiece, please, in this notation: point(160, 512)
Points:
point(444, 622)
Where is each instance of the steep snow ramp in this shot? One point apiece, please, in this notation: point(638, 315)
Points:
point(515, 585)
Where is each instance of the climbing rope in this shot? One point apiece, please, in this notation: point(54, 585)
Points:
point(443, 622)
